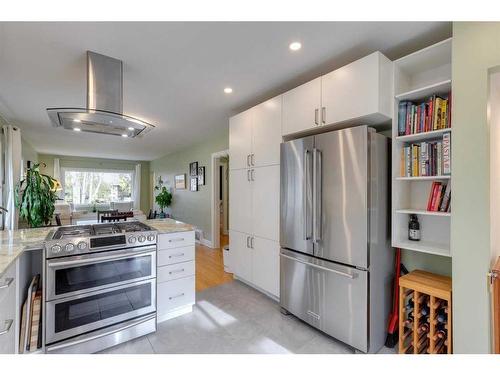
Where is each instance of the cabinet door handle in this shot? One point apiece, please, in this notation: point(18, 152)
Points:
point(248, 160)
point(316, 116)
point(248, 242)
point(178, 239)
point(248, 175)
point(323, 115)
point(252, 174)
point(177, 296)
point(7, 325)
point(176, 271)
point(252, 159)
point(251, 242)
point(7, 283)
point(176, 255)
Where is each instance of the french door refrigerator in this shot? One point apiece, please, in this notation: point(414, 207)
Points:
point(335, 260)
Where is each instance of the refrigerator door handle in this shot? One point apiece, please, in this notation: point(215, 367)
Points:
point(305, 196)
point(348, 275)
point(317, 194)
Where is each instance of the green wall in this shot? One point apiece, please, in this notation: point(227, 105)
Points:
point(188, 206)
point(83, 162)
point(476, 48)
point(28, 152)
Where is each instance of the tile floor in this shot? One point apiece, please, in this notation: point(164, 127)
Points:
point(234, 318)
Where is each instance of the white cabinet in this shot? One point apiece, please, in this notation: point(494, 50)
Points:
point(240, 200)
point(8, 310)
point(358, 91)
point(266, 204)
point(239, 246)
point(255, 136)
point(175, 274)
point(240, 140)
point(356, 94)
point(266, 265)
point(266, 133)
point(301, 107)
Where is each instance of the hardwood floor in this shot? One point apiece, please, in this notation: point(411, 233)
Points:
point(210, 266)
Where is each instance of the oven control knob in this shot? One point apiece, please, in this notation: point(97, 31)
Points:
point(132, 239)
point(142, 238)
point(69, 247)
point(151, 237)
point(56, 249)
point(82, 245)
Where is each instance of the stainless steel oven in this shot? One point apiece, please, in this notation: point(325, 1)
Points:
point(72, 276)
point(75, 315)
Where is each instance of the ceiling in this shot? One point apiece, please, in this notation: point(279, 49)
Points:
point(175, 73)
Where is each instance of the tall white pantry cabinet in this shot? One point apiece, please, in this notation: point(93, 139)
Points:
point(254, 186)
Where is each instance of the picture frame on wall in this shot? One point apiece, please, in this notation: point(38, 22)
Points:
point(201, 176)
point(194, 184)
point(180, 181)
point(193, 168)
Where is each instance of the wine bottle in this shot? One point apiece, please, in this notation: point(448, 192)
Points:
point(409, 319)
point(409, 304)
point(424, 327)
point(441, 332)
point(424, 311)
point(441, 316)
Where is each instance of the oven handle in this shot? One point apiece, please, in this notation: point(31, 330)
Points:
point(97, 258)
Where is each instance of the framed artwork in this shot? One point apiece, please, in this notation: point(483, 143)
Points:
point(180, 181)
point(193, 168)
point(194, 184)
point(201, 176)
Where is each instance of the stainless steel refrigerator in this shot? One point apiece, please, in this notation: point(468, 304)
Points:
point(336, 261)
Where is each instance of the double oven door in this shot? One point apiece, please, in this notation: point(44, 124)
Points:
point(89, 292)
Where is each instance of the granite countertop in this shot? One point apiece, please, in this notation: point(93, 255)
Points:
point(14, 242)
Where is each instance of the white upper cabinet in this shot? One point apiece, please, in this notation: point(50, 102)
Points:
point(358, 92)
point(301, 107)
point(266, 133)
point(240, 140)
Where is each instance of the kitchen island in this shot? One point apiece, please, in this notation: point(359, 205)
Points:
point(22, 257)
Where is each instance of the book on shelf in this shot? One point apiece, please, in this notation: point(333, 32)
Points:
point(434, 113)
point(429, 158)
point(439, 197)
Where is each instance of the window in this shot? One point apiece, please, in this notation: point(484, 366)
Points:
point(86, 187)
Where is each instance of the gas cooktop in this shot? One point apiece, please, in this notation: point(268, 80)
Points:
point(81, 239)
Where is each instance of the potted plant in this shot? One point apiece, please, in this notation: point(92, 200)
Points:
point(163, 199)
point(35, 197)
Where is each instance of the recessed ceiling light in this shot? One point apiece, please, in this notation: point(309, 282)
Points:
point(295, 46)
point(228, 90)
point(76, 120)
point(124, 135)
point(130, 128)
point(77, 129)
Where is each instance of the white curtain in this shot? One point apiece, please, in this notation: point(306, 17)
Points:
point(137, 187)
point(57, 174)
point(13, 167)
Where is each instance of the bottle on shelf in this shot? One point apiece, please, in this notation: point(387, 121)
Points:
point(442, 316)
point(414, 228)
point(423, 326)
point(424, 310)
point(441, 332)
point(409, 319)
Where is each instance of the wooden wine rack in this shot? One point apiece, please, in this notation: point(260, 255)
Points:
point(431, 290)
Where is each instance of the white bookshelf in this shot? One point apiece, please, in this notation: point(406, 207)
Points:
point(417, 77)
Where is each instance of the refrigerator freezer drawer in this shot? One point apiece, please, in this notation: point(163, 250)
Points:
point(328, 296)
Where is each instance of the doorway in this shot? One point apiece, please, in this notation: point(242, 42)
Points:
point(220, 199)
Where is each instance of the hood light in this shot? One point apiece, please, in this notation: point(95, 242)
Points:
point(125, 135)
point(77, 129)
point(295, 46)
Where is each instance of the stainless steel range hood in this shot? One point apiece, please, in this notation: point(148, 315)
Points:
point(104, 111)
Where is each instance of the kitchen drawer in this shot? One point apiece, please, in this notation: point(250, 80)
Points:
point(177, 255)
point(174, 294)
point(172, 240)
point(8, 311)
point(175, 271)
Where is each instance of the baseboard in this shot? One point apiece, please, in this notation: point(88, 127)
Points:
point(175, 313)
point(206, 243)
point(272, 296)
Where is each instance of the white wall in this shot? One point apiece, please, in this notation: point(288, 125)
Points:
point(494, 125)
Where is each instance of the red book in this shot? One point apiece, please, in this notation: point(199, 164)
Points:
point(436, 197)
point(431, 194)
point(419, 114)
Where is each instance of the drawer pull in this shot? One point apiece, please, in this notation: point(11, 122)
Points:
point(176, 271)
point(177, 296)
point(178, 255)
point(7, 325)
point(179, 239)
point(7, 283)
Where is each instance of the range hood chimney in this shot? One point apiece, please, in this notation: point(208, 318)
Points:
point(104, 111)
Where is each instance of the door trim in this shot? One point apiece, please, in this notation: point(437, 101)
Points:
point(214, 212)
